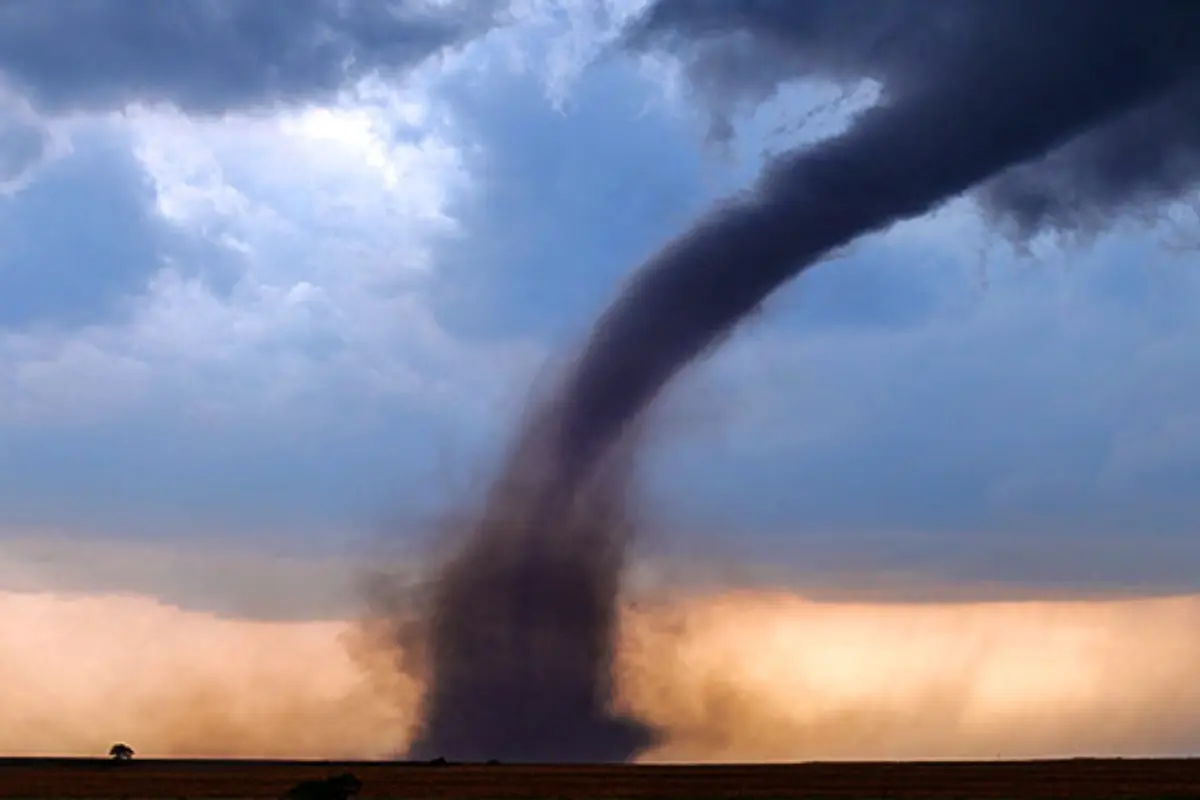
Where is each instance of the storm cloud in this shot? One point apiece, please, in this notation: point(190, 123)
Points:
point(212, 56)
point(740, 54)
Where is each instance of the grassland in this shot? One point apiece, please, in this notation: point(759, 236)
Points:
point(152, 778)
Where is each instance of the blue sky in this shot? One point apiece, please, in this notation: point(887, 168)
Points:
point(293, 322)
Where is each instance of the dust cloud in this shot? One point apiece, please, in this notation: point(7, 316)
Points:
point(747, 676)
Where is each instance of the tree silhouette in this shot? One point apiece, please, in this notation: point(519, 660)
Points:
point(120, 752)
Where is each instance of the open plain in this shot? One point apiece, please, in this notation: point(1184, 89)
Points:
point(154, 778)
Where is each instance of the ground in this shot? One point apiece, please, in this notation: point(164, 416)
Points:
point(150, 778)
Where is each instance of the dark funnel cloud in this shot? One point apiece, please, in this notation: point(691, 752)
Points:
point(521, 621)
point(1027, 100)
point(211, 56)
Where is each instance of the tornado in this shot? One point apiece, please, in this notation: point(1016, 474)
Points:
point(1057, 114)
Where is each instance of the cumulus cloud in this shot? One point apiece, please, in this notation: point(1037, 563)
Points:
point(285, 257)
point(276, 251)
point(80, 238)
point(299, 249)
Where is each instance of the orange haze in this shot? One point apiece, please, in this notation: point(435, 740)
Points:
point(737, 676)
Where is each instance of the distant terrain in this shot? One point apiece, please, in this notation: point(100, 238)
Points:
point(153, 778)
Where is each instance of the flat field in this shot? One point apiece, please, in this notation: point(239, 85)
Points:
point(1013, 780)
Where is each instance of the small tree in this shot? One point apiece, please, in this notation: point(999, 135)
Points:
point(120, 752)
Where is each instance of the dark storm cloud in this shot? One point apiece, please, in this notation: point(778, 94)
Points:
point(742, 51)
point(1147, 157)
point(214, 55)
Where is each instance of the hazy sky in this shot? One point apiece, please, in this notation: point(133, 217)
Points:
point(276, 279)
